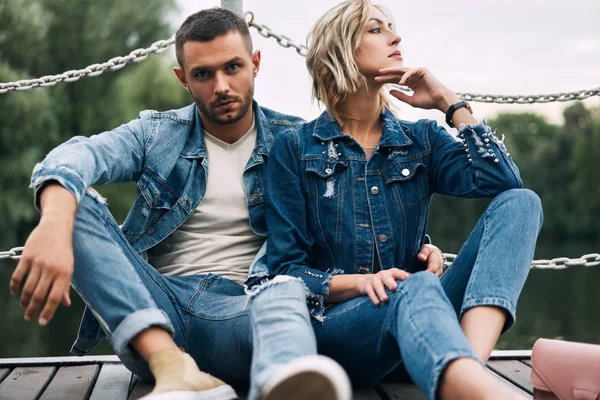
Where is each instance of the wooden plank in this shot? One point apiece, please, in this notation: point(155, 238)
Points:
point(140, 389)
point(56, 361)
point(366, 394)
point(25, 383)
point(74, 382)
point(526, 362)
point(510, 354)
point(112, 383)
point(510, 384)
point(4, 373)
point(399, 391)
point(514, 371)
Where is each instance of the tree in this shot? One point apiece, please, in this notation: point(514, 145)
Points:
point(46, 37)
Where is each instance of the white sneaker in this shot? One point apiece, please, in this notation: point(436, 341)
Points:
point(311, 377)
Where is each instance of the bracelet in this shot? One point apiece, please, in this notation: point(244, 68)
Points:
point(452, 110)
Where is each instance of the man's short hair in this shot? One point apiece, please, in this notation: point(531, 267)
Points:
point(206, 25)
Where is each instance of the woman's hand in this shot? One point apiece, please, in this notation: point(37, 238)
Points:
point(434, 258)
point(429, 92)
point(374, 285)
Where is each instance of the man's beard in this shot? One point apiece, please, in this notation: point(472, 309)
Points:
point(209, 110)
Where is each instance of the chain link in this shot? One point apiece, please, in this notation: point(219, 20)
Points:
point(267, 32)
point(14, 253)
point(113, 64)
point(587, 260)
point(138, 55)
point(521, 99)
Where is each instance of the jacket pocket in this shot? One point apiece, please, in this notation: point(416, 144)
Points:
point(155, 193)
point(407, 181)
point(326, 180)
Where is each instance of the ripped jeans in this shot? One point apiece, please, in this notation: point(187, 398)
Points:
point(230, 334)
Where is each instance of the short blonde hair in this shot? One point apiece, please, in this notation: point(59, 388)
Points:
point(332, 44)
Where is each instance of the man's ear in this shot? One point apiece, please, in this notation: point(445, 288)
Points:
point(255, 62)
point(180, 73)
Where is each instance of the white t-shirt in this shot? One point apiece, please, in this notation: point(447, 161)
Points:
point(217, 237)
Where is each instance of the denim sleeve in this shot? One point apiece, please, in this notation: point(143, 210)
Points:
point(289, 241)
point(109, 157)
point(478, 165)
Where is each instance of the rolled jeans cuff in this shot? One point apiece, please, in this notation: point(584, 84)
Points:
point(133, 324)
point(509, 307)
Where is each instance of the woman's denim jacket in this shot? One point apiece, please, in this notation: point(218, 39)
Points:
point(329, 209)
point(165, 154)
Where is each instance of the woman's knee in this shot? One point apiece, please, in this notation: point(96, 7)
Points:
point(522, 199)
point(420, 284)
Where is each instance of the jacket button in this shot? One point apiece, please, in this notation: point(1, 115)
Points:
point(383, 238)
point(405, 172)
point(328, 171)
point(150, 231)
point(374, 190)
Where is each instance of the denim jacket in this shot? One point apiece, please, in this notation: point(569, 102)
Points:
point(165, 154)
point(330, 210)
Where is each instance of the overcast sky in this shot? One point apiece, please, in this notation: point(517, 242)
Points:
point(479, 46)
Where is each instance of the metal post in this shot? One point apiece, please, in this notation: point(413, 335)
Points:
point(233, 5)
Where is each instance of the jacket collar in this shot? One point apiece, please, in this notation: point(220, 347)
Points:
point(194, 146)
point(394, 132)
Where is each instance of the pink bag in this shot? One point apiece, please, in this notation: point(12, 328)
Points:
point(563, 370)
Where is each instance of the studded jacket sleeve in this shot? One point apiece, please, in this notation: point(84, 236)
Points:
point(478, 165)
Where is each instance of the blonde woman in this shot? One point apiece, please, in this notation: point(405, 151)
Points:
point(347, 202)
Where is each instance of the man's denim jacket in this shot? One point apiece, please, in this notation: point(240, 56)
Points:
point(329, 211)
point(165, 154)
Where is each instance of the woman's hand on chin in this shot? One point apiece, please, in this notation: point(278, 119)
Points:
point(429, 92)
point(374, 285)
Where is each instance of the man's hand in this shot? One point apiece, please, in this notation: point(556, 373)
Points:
point(433, 257)
point(46, 265)
point(374, 285)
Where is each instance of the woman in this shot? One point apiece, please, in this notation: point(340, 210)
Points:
point(347, 202)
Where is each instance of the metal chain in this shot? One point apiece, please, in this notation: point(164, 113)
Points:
point(14, 253)
point(267, 32)
point(286, 42)
point(522, 99)
point(113, 64)
point(157, 47)
point(587, 260)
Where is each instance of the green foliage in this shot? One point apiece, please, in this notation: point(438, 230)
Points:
point(47, 37)
point(560, 163)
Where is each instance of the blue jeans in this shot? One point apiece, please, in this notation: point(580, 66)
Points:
point(419, 325)
point(230, 334)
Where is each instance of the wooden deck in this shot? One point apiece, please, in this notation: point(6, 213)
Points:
point(105, 378)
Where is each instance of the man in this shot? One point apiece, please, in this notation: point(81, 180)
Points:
point(172, 276)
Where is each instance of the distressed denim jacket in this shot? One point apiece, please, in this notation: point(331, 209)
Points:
point(165, 154)
point(330, 210)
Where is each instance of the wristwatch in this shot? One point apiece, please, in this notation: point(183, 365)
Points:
point(453, 109)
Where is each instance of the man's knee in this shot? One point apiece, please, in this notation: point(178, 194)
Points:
point(280, 287)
